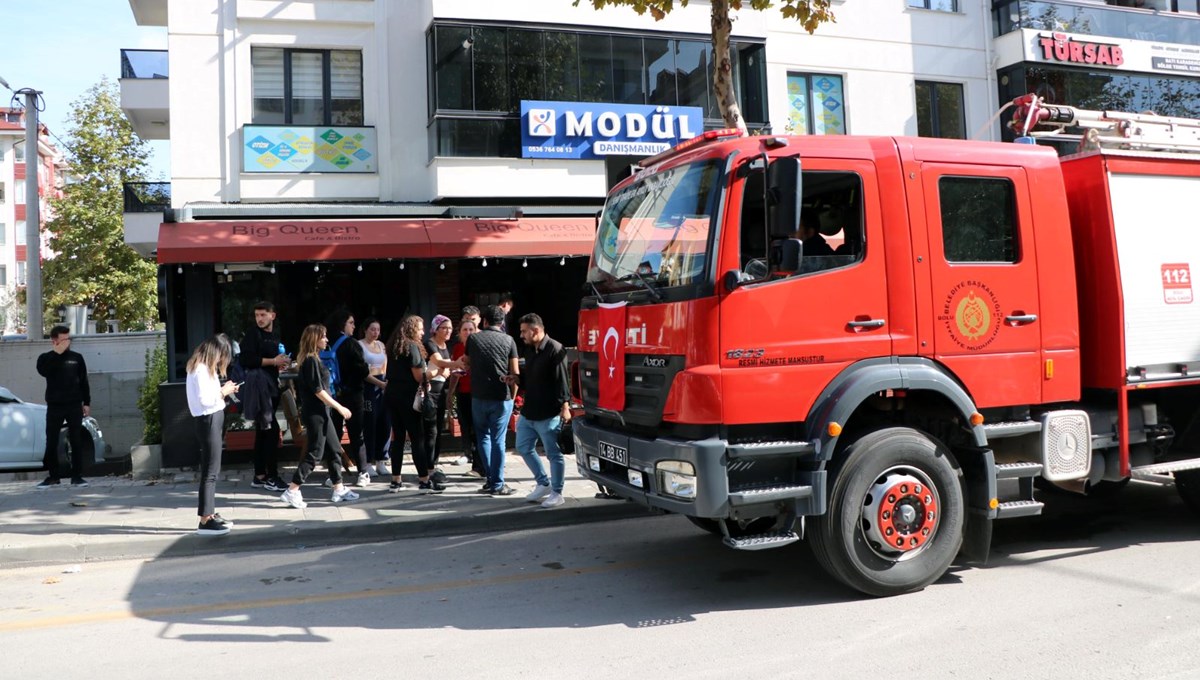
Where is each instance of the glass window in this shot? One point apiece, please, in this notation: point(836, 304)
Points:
point(940, 110)
point(937, 5)
point(595, 68)
point(19, 228)
point(19, 151)
point(627, 72)
point(3, 234)
point(20, 273)
point(452, 64)
point(979, 220)
point(562, 66)
point(3, 275)
point(19, 192)
point(660, 72)
point(816, 104)
point(2, 192)
point(478, 137)
point(491, 70)
point(306, 87)
point(693, 66)
point(526, 70)
point(752, 82)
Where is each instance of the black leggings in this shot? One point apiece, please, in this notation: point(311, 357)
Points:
point(266, 445)
point(407, 421)
point(208, 436)
point(354, 402)
point(433, 428)
point(322, 443)
point(375, 423)
point(466, 424)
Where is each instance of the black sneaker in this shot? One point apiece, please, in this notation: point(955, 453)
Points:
point(275, 484)
point(257, 483)
point(79, 482)
point(48, 483)
point(485, 489)
point(431, 486)
point(213, 527)
point(395, 487)
point(217, 516)
point(438, 476)
point(503, 490)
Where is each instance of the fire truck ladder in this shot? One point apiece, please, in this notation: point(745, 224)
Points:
point(1105, 129)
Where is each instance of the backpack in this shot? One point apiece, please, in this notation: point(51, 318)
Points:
point(329, 358)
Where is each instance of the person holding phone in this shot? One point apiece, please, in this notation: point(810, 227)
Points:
point(68, 399)
point(206, 402)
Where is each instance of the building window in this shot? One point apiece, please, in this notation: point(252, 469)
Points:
point(979, 219)
point(935, 5)
point(3, 234)
point(20, 274)
point(19, 151)
point(306, 87)
point(940, 110)
point(480, 74)
point(19, 192)
point(20, 229)
point(3, 276)
point(816, 104)
point(1, 191)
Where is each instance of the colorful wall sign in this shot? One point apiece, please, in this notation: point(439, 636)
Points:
point(291, 148)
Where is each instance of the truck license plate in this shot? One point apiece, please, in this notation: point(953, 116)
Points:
point(614, 453)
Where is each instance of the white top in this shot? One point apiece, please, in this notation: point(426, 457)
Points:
point(204, 392)
point(375, 360)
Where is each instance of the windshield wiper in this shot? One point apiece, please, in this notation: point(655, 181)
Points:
point(646, 281)
point(599, 295)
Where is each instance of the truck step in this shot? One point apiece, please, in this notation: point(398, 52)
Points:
point(1010, 509)
point(774, 539)
point(770, 449)
point(769, 494)
point(1014, 428)
point(1146, 471)
point(1018, 470)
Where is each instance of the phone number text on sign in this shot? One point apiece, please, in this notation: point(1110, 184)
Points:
point(1177, 284)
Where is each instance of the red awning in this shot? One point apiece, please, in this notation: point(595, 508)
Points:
point(279, 241)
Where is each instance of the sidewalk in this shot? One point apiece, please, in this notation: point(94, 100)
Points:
point(120, 518)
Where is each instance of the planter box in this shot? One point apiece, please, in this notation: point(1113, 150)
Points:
point(146, 460)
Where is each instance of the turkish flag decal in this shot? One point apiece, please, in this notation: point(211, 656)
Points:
point(612, 356)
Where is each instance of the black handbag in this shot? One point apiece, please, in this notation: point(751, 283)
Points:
point(566, 439)
point(425, 402)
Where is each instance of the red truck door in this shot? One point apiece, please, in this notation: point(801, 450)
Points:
point(984, 280)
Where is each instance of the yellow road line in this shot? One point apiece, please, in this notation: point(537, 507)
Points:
point(270, 603)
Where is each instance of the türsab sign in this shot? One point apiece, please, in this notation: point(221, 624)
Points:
point(1060, 47)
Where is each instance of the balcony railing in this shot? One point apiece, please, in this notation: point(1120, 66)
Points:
point(146, 64)
point(1096, 19)
point(147, 197)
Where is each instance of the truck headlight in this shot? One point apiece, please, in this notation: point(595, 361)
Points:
point(677, 478)
point(635, 479)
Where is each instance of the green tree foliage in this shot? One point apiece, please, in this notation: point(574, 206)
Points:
point(156, 372)
point(810, 14)
point(92, 265)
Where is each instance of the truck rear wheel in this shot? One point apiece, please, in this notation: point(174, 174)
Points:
point(1187, 485)
point(895, 517)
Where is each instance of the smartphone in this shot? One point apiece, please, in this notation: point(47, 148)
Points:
point(240, 384)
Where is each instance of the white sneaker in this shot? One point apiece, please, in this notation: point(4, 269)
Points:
point(364, 479)
point(372, 471)
point(553, 501)
point(293, 498)
point(538, 494)
point(381, 467)
point(343, 494)
point(461, 460)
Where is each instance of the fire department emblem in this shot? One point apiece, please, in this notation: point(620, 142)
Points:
point(971, 315)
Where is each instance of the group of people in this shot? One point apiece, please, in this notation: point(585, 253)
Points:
point(377, 393)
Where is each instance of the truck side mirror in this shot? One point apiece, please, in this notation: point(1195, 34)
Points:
point(790, 252)
point(784, 184)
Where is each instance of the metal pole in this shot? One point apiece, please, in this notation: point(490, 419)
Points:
point(33, 226)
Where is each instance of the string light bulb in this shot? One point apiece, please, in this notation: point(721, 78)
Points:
point(525, 262)
point(316, 267)
point(360, 266)
point(562, 261)
point(485, 261)
point(401, 265)
point(225, 271)
point(179, 269)
point(272, 267)
point(442, 265)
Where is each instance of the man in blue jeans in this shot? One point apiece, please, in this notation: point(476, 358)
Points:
point(547, 407)
point(492, 359)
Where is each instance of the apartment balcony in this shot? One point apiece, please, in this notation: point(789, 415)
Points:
point(1110, 19)
point(149, 12)
point(144, 206)
point(145, 98)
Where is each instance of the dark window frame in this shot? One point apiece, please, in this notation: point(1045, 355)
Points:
point(810, 113)
point(925, 4)
point(935, 118)
point(955, 229)
point(326, 83)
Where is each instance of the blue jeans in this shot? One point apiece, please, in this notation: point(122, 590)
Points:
point(528, 432)
point(491, 423)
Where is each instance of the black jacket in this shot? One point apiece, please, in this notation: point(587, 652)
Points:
point(258, 345)
point(66, 378)
point(352, 367)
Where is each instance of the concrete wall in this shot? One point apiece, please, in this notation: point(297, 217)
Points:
point(116, 366)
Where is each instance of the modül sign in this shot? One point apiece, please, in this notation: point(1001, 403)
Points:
point(590, 131)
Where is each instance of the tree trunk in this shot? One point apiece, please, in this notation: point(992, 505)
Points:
point(723, 67)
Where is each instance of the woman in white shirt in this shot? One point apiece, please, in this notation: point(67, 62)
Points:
point(206, 401)
point(376, 427)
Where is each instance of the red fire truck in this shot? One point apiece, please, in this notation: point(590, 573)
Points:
point(884, 342)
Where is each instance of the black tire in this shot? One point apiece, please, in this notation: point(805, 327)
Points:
point(1104, 490)
point(736, 529)
point(1187, 485)
point(844, 541)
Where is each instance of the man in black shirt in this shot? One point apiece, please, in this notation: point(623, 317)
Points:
point(262, 351)
point(493, 365)
point(68, 399)
point(547, 407)
point(352, 371)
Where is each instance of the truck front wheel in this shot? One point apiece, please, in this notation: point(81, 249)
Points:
point(895, 516)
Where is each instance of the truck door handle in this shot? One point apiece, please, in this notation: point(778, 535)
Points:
point(1020, 319)
point(865, 324)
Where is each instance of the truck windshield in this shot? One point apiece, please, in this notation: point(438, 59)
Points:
point(654, 233)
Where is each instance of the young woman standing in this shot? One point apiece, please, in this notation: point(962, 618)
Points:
point(206, 402)
point(312, 387)
point(437, 349)
point(375, 418)
point(460, 388)
point(405, 374)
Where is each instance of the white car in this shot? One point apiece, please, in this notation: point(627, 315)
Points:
point(23, 436)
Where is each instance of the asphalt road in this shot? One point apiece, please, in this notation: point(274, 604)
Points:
point(1087, 591)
